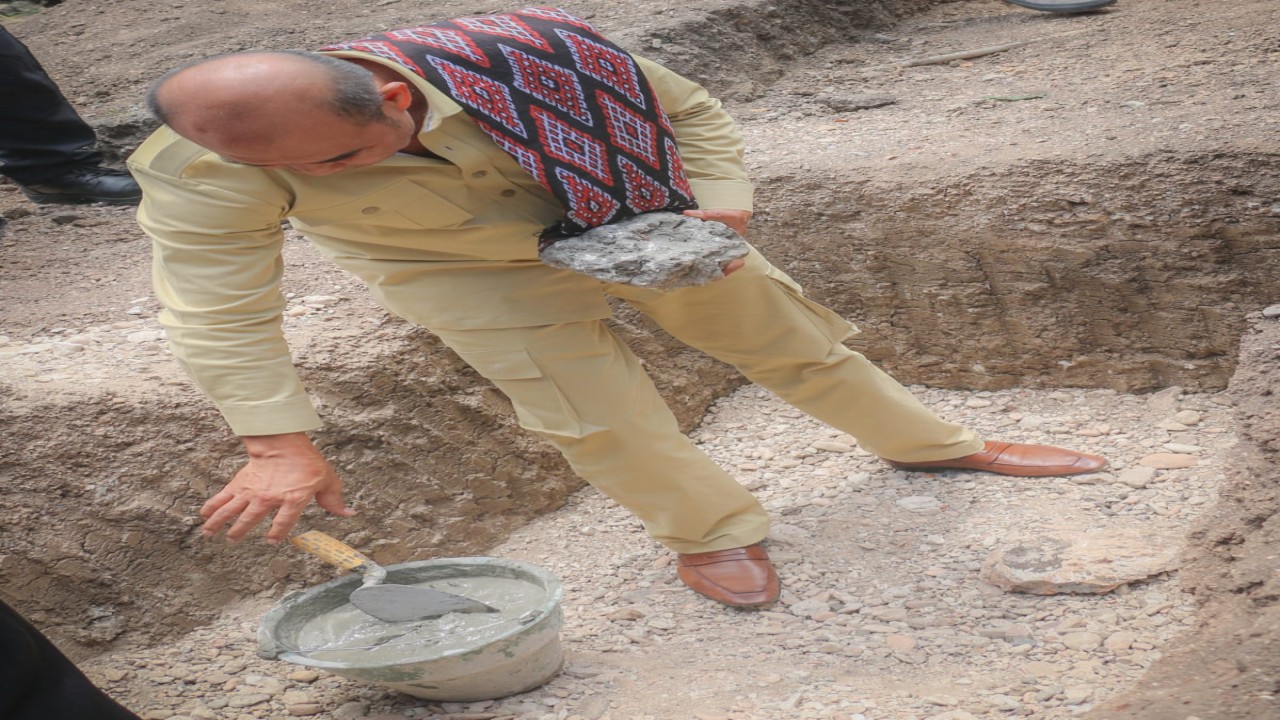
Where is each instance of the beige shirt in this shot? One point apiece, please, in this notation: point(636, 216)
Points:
point(467, 223)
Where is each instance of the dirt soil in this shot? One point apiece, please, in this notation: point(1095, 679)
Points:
point(1087, 202)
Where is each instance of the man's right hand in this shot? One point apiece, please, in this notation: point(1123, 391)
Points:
point(285, 472)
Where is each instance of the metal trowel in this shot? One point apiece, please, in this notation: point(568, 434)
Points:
point(384, 601)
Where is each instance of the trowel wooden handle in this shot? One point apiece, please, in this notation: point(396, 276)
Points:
point(333, 551)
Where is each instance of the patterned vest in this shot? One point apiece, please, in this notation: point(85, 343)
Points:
point(570, 106)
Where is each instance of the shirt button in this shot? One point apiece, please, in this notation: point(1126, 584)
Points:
point(508, 193)
point(479, 173)
point(371, 210)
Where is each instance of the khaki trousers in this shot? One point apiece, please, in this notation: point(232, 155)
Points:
point(578, 386)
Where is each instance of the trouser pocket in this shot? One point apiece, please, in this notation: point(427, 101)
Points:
point(825, 320)
point(540, 405)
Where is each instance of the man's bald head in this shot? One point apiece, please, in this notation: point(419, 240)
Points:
point(255, 96)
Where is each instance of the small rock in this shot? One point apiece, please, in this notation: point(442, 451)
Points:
point(1096, 561)
point(592, 708)
point(954, 715)
point(810, 608)
point(1039, 668)
point(852, 103)
point(1165, 402)
point(1169, 461)
point(1188, 417)
point(624, 614)
point(900, 643)
point(1082, 641)
point(1271, 311)
point(145, 336)
point(1122, 640)
point(351, 711)
point(1077, 694)
point(247, 700)
point(920, 504)
point(1182, 448)
point(788, 534)
point(835, 447)
point(1137, 477)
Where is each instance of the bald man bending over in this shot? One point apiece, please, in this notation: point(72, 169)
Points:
point(431, 162)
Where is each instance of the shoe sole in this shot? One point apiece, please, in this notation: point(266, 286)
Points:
point(1007, 471)
point(79, 200)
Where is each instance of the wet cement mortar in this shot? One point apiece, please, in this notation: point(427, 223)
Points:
point(884, 615)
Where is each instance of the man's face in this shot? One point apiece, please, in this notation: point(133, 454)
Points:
point(322, 144)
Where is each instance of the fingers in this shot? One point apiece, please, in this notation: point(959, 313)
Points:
point(284, 521)
point(284, 474)
point(217, 516)
point(735, 219)
point(215, 502)
point(250, 516)
point(242, 513)
point(247, 515)
point(331, 500)
point(733, 266)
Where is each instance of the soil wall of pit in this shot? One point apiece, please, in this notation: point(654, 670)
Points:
point(1128, 273)
point(1228, 666)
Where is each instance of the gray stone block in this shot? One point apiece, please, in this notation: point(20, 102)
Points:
point(662, 250)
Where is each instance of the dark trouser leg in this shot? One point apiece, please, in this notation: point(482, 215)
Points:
point(40, 683)
point(41, 135)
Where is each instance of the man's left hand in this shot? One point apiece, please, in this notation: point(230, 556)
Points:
point(736, 219)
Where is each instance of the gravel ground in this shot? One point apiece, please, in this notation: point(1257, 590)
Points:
point(883, 614)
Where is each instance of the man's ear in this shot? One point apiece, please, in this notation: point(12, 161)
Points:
point(398, 93)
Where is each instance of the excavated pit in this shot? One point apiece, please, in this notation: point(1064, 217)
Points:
point(1071, 240)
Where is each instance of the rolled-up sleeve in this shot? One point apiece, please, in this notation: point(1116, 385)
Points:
point(710, 144)
point(216, 271)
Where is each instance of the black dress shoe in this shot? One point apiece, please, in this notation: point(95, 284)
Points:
point(88, 184)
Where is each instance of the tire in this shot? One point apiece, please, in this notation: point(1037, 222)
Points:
point(1062, 6)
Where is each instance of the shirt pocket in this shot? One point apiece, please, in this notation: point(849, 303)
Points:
point(403, 205)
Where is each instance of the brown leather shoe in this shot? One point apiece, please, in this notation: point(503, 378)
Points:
point(742, 577)
point(1015, 459)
